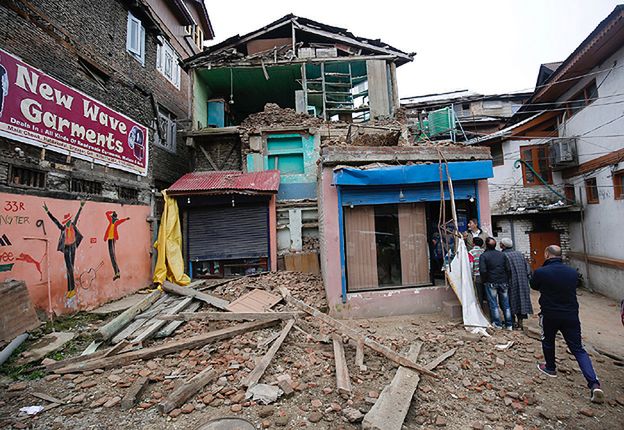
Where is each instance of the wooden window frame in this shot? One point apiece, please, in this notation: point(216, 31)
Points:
point(618, 185)
point(592, 197)
point(570, 193)
point(546, 175)
point(581, 95)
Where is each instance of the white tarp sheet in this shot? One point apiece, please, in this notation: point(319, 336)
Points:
point(460, 278)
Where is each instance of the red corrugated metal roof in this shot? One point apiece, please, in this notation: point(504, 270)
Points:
point(227, 181)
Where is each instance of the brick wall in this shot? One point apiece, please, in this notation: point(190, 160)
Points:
point(224, 153)
point(54, 35)
point(522, 226)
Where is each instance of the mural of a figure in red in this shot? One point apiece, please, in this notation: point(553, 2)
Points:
point(112, 236)
point(69, 241)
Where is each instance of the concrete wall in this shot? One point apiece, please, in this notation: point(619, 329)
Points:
point(27, 231)
point(594, 123)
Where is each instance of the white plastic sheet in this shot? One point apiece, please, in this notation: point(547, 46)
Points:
point(459, 276)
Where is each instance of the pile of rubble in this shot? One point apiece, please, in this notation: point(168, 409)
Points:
point(275, 116)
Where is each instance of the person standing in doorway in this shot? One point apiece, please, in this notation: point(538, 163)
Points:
point(111, 236)
point(557, 283)
point(519, 291)
point(474, 230)
point(69, 241)
point(494, 272)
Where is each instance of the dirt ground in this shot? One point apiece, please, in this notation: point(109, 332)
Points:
point(480, 387)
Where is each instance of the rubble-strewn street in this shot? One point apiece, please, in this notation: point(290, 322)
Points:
point(490, 382)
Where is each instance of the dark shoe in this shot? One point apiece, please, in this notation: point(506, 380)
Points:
point(597, 395)
point(542, 368)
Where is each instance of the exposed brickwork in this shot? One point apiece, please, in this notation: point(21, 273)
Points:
point(224, 152)
point(53, 35)
point(523, 226)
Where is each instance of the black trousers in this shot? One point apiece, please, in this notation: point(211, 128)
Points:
point(69, 252)
point(111, 253)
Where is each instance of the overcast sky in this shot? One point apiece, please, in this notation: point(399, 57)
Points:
point(485, 46)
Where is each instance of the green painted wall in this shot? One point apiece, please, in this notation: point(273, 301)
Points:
point(201, 94)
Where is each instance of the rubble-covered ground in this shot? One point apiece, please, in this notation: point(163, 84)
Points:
point(480, 386)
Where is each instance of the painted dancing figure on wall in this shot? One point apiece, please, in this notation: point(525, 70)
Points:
point(112, 236)
point(69, 240)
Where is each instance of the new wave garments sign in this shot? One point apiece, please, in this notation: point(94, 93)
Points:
point(39, 110)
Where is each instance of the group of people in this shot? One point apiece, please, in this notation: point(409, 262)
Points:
point(505, 278)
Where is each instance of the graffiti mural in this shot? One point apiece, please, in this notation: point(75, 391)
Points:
point(52, 243)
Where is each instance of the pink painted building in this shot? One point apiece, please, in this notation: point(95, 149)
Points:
point(378, 216)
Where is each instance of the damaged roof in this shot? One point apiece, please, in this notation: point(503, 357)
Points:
point(234, 44)
point(227, 181)
point(430, 153)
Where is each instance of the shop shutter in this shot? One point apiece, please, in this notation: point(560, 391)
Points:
point(228, 232)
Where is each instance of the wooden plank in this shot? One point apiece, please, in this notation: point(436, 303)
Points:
point(93, 346)
point(390, 409)
point(153, 328)
point(435, 363)
point(133, 393)
point(128, 330)
point(173, 325)
point(254, 301)
point(164, 349)
point(342, 328)
point(189, 292)
point(117, 348)
point(359, 354)
point(47, 398)
point(230, 316)
point(107, 331)
point(343, 383)
point(187, 390)
point(258, 371)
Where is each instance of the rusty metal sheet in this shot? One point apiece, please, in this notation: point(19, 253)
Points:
point(229, 180)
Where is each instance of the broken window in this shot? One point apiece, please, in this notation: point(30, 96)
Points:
point(135, 41)
point(535, 156)
point(285, 153)
point(581, 99)
point(27, 177)
point(167, 62)
point(386, 246)
point(498, 156)
point(94, 72)
point(165, 135)
point(591, 190)
point(83, 186)
point(618, 185)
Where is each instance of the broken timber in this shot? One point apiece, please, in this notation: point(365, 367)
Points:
point(390, 409)
point(186, 390)
point(229, 316)
point(153, 328)
point(255, 375)
point(173, 325)
point(133, 393)
point(343, 383)
point(107, 331)
point(342, 328)
point(163, 349)
point(189, 292)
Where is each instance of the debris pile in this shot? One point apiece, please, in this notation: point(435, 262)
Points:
point(274, 116)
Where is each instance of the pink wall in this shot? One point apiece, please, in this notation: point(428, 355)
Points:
point(330, 249)
point(27, 226)
point(273, 232)
point(484, 205)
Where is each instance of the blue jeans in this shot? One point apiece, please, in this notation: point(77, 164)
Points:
point(570, 328)
point(499, 294)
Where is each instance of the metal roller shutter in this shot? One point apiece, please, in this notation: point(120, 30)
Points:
point(228, 232)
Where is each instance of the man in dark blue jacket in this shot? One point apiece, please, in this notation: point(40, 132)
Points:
point(557, 283)
point(494, 273)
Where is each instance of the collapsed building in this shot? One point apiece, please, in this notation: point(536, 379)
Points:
point(301, 151)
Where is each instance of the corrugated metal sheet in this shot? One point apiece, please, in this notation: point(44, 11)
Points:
point(264, 181)
point(228, 232)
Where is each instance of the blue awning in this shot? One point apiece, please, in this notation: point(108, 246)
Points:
point(413, 174)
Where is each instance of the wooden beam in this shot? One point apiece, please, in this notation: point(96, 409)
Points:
point(230, 316)
point(390, 409)
point(343, 383)
point(189, 292)
point(153, 328)
point(440, 359)
point(108, 330)
point(342, 328)
point(173, 325)
point(597, 163)
point(164, 349)
point(133, 393)
point(47, 398)
point(359, 354)
point(615, 263)
point(258, 371)
point(187, 389)
point(208, 157)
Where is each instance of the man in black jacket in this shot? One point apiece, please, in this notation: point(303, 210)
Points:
point(494, 272)
point(557, 283)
